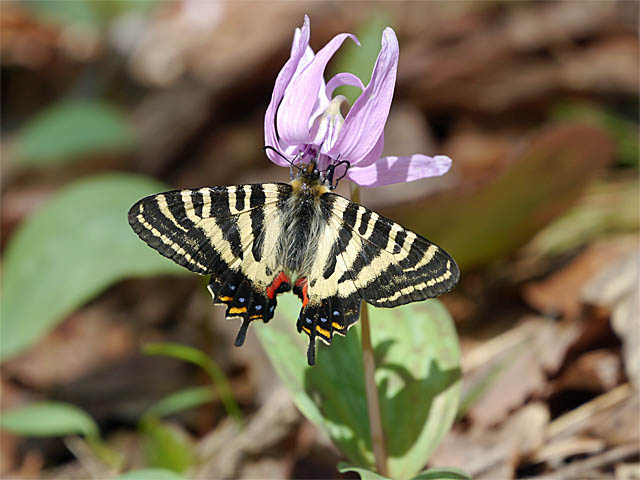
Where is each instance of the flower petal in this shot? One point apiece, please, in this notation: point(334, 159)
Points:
point(299, 53)
point(300, 97)
point(389, 170)
point(341, 79)
point(366, 119)
point(374, 155)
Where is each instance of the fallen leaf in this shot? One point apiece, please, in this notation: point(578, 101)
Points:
point(524, 356)
point(487, 453)
point(597, 370)
point(618, 287)
point(561, 293)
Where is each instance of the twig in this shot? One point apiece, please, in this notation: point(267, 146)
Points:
point(581, 468)
point(566, 424)
point(371, 390)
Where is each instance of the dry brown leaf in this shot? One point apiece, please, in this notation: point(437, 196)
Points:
point(618, 288)
point(523, 357)
point(627, 471)
point(554, 452)
point(594, 466)
point(227, 450)
point(487, 453)
point(613, 416)
point(561, 293)
point(597, 370)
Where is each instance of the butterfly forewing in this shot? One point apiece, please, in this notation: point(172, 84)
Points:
point(230, 233)
point(379, 260)
point(210, 229)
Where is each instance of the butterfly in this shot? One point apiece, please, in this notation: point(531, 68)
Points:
point(260, 240)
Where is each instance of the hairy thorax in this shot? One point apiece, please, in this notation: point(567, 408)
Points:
point(302, 225)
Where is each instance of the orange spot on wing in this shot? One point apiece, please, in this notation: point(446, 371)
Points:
point(322, 331)
point(306, 330)
point(277, 281)
point(226, 299)
point(252, 317)
point(302, 282)
point(336, 325)
point(238, 310)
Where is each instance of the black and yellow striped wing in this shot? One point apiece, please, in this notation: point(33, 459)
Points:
point(365, 256)
point(385, 263)
point(230, 233)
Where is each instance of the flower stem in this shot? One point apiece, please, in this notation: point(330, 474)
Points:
point(371, 390)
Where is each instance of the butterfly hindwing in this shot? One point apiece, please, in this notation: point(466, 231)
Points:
point(229, 233)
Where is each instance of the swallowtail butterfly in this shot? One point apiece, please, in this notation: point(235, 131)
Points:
point(257, 241)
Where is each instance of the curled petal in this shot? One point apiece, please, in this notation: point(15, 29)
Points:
point(294, 117)
point(366, 119)
point(341, 79)
point(389, 170)
point(299, 53)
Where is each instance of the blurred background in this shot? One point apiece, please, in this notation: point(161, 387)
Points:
point(535, 102)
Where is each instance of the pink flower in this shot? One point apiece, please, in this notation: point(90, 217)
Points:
point(304, 121)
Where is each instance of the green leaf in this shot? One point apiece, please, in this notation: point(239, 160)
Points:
point(364, 473)
point(68, 252)
point(418, 377)
point(204, 361)
point(360, 60)
point(48, 419)
point(150, 474)
point(449, 473)
point(166, 446)
point(71, 129)
point(182, 400)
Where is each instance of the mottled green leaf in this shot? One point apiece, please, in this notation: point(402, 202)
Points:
point(73, 128)
point(150, 474)
point(418, 377)
point(68, 252)
point(48, 419)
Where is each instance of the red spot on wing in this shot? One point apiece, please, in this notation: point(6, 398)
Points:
point(302, 284)
point(277, 281)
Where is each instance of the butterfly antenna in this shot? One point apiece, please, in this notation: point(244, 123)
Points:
point(290, 162)
point(331, 171)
